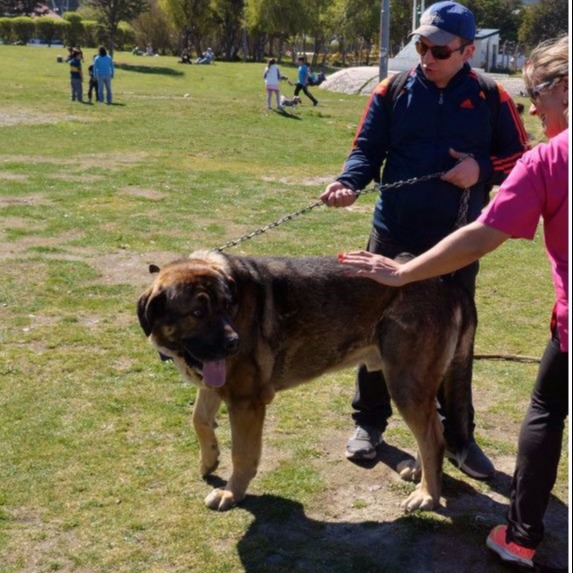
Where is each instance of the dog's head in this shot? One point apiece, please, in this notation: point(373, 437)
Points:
point(187, 314)
point(296, 100)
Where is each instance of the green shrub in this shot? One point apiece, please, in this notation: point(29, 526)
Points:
point(23, 28)
point(93, 33)
point(75, 31)
point(6, 33)
point(125, 37)
point(46, 29)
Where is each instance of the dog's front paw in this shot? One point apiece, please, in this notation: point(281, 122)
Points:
point(221, 500)
point(419, 499)
point(409, 470)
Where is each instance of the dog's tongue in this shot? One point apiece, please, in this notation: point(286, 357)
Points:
point(214, 373)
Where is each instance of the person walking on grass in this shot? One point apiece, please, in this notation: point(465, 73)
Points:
point(272, 77)
point(440, 120)
point(536, 188)
point(302, 80)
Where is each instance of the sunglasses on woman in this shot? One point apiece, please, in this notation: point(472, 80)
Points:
point(537, 90)
point(438, 52)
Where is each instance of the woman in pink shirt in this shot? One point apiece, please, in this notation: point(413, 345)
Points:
point(537, 187)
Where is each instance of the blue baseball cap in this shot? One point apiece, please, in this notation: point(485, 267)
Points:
point(445, 21)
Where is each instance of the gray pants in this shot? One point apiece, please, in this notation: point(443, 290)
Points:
point(77, 89)
point(102, 82)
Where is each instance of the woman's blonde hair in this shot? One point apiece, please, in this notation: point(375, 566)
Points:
point(548, 61)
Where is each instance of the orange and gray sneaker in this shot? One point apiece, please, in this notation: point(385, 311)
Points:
point(508, 550)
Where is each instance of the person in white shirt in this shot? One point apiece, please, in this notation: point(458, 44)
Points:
point(272, 78)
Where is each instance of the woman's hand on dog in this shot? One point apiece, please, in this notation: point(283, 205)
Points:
point(376, 267)
point(337, 195)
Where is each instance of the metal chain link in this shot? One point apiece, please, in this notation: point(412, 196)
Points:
point(463, 210)
point(296, 214)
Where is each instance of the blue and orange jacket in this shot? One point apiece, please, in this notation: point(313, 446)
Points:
point(413, 140)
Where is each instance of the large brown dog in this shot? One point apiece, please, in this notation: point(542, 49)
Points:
point(244, 328)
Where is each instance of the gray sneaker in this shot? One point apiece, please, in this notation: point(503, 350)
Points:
point(363, 443)
point(476, 465)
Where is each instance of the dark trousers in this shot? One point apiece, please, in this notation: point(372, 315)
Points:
point(371, 398)
point(92, 88)
point(539, 448)
point(300, 87)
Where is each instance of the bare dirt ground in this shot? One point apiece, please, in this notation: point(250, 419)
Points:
point(359, 513)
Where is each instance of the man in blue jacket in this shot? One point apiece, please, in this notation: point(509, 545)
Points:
point(440, 121)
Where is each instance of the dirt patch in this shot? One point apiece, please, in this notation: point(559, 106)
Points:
point(136, 191)
point(107, 161)
point(359, 514)
point(124, 267)
point(309, 182)
point(6, 176)
point(30, 116)
point(36, 199)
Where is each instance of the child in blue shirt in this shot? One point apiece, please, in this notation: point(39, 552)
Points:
point(302, 80)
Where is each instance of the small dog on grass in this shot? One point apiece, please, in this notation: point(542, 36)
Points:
point(287, 102)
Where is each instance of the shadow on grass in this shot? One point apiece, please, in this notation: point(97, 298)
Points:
point(149, 69)
point(282, 538)
point(287, 114)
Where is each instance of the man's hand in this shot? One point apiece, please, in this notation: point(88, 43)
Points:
point(337, 195)
point(465, 173)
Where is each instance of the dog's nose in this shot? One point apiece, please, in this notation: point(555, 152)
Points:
point(232, 344)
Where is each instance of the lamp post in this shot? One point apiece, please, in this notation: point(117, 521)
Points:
point(384, 38)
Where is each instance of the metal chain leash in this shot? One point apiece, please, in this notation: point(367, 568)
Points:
point(463, 210)
point(296, 214)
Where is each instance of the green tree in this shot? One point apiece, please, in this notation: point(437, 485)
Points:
point(112, 12)
point(228, 18)
point(548, 19)
point(318, 24)
point(154, 27)
point(363, 23)
point(400, 24)
point(276, 19)
point(502, 15)
point(191, 18)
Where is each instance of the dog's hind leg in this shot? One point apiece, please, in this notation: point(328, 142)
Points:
point(455, 402)
point(204, 412)
point(247, 419)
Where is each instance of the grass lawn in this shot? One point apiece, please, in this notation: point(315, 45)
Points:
point(98, 460)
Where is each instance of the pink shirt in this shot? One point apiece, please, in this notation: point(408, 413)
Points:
point(538, 187)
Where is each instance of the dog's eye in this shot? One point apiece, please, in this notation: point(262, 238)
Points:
point(198, 313)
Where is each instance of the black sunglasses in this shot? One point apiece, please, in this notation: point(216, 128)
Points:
point(438, 52)
point(537, 90)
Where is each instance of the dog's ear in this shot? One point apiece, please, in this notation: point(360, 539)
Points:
point(148, 308)
point(153, 269)
point(234, 291)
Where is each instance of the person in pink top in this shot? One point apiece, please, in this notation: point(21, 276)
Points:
point(536, 188)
